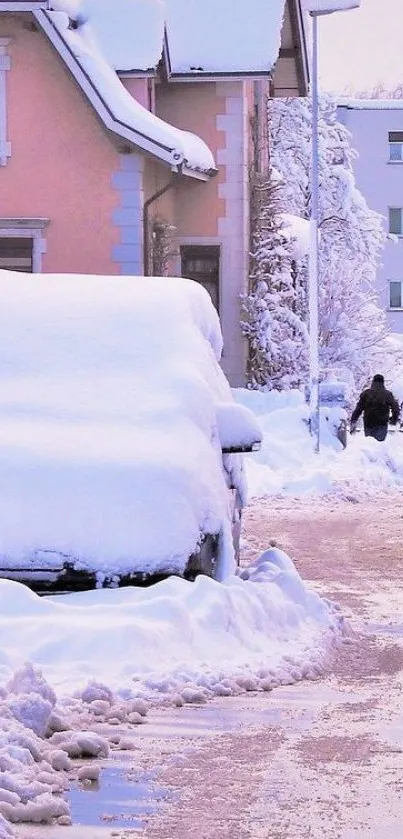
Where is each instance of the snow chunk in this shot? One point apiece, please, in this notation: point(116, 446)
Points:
point(42, 808)
point(90, 772)
point(59, 760)
point(81, 744)
point(31, 699)
point(32, 711)
point(96, 691)
point(29, 679)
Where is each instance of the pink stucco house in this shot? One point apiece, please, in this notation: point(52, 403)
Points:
point(127, 133)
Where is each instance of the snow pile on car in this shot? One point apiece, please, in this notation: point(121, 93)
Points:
point(110, 454)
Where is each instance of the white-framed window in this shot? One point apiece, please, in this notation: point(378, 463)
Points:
point(396, 146)
point(396, 220)
point(22, 244)
point(395, 294)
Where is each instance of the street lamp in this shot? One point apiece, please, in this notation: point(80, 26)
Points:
point(315, 9)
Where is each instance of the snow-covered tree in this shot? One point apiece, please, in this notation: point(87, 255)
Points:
point(352, 325)
point(272, 322)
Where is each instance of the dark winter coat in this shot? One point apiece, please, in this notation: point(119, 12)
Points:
point(378, 406)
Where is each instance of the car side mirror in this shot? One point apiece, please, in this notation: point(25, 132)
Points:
point(238, 428)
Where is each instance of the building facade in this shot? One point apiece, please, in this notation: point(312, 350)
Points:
point(377, 135)
point(123, 155)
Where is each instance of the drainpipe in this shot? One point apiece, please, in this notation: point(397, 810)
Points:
point(146, 220)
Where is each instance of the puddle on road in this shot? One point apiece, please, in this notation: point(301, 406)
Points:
point(119, 804)
point(117, 800)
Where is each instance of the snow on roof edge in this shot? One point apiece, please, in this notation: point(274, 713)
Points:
point(224, 38)
point(370, 104)
point(171, 144)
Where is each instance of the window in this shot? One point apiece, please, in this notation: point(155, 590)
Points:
point(396, 146)
point(395, 220)
point(202, 263)
point(395, 294)
point(16, 253)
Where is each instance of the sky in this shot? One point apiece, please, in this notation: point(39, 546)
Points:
point(362, 47)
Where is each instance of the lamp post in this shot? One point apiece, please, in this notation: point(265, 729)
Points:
point(315, 9)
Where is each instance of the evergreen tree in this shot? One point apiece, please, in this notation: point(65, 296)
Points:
point(276, 333)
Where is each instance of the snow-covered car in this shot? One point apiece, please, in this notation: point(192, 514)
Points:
point(120, 441)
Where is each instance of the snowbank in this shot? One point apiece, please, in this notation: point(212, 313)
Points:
point(157, 641)
point(102, 657)
point(110, 454)
point(287, 462)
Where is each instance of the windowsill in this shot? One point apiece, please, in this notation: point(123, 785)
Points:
point(394, 309)
point(395, 162)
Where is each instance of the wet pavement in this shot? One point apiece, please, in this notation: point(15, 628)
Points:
point(317, 760)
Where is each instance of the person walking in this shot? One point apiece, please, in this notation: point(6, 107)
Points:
point(379, 407)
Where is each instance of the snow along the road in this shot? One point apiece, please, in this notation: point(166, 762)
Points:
point(288, 464)
point(110, 650)
point(107, 655)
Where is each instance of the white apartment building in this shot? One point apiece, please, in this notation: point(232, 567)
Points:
point(377, 135)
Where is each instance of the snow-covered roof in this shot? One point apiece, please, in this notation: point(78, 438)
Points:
point(110, 449)
point(138, 24)
point(224, 37)
point(211, 37)
point(121, 113)
point(371, 104)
